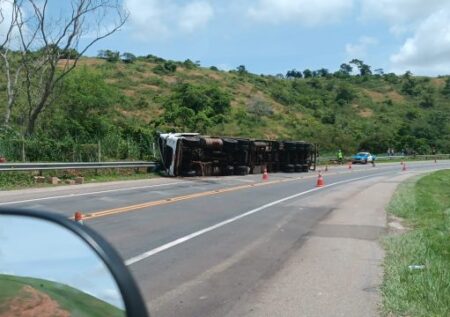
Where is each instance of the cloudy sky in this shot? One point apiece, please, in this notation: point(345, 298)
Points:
point(273, 36)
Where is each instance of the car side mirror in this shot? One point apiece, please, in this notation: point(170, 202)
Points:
point(53, 266)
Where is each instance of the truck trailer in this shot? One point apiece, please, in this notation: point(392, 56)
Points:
point(192, 154)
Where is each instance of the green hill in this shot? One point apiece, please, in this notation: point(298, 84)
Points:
point(46, 298)
point(122, 105)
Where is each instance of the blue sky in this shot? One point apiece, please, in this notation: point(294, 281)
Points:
point(273, 36)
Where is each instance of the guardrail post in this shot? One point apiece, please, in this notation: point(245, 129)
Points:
point(23, 149)
point(99, 149)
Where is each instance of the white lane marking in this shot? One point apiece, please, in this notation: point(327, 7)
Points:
point(88, 194)
point(188, 237)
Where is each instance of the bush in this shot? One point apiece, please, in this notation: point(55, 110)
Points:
point(165, 68)
point(259, 107)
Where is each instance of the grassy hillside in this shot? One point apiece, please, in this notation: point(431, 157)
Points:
point(122, 105)
point(58, 299)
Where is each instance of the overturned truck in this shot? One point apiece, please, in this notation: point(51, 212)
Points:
point(192, 154)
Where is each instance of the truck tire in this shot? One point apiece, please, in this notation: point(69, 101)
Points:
point(191, 173)
point(230, 145)
point(290, 146)
point(298, 168)
point(243, 144)
point(191, 142)
point(289, 168)
point(229, 170)
point(241, 170)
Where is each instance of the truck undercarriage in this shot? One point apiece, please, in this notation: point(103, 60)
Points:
point(192, 154)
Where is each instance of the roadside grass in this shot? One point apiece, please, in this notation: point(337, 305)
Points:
point(425, 206)
point(20, 180)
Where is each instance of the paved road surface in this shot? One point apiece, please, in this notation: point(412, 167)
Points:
point(206, 246)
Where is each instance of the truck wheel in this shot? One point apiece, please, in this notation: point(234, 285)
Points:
point(229, 145)
point(191, 173)
point(289, 168)
point(290, 145)
point(298, 168)
point(241, 170)
point(191, 142)
point(229, 170)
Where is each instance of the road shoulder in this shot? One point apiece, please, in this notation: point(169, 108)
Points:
point(338, 270)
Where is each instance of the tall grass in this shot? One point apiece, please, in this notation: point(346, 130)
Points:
point(425, 206)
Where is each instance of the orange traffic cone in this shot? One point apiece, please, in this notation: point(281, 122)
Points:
point(320, 182)
point(404, 167)
point(265, 176)
point(78, 217)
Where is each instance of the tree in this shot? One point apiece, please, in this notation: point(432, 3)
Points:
point(110, 56)
point(166, 68)
point(128, 57)
point(323, 72)
point(70, 53)
point(427, 100)
point(56, 33)
point(12, 68)
point(379, 71)
point(409, 86)
point(364, 69)
point(294, 74)
point(346, 69)
point(446, 89)
point(307, 73)
point(188, 64)
point(344, 95)
point(241, 69)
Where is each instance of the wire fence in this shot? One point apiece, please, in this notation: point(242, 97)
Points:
point(32, 150)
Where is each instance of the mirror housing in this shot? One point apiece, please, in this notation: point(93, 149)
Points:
point(133, 302)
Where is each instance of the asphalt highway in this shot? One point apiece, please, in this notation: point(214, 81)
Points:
point(197, 245)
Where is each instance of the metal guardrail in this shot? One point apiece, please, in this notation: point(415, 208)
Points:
point(415, 157)
point(328, 159)
point(20, 167)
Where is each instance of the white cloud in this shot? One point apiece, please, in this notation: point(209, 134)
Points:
point(401, 12)
point(424, 28)
point(305, 12)
point(428, 50)
point(195, 15)
point(359, 50)
point(163, 18)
